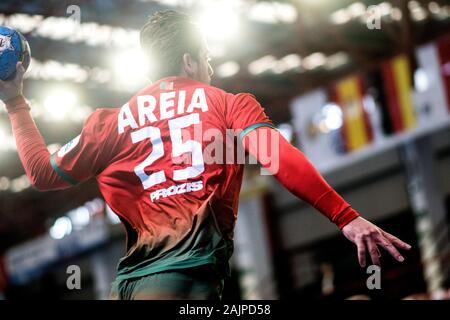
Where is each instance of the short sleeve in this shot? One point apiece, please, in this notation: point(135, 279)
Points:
point(85, 155)
point(245, 113)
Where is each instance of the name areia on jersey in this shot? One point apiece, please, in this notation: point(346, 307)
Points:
point(170, 105)
point(176, 189)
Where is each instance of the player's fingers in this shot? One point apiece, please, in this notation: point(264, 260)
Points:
point(361, 247)
point(20, 67)
point(386, 244)
point(373, 251)
point(396, 241)
point(20, 71)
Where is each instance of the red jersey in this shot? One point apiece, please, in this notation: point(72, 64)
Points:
point(162, 165)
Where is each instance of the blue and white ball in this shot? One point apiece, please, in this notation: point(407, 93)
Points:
point(13, 48)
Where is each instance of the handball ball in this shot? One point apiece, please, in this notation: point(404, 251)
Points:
point(13, 48)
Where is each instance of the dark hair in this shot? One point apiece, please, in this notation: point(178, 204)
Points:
point(165, 38)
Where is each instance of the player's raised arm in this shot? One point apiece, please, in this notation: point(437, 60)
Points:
point(300, 177)
point(31, 147)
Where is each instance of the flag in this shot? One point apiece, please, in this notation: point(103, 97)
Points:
point(398, 89)
point(348, 93)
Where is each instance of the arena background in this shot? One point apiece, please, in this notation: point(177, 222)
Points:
point(362, 87)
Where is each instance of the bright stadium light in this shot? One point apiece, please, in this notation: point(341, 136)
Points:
point(272, 12)
point(439, 12)
point(7, 141)
point(219, 22)
point(80, 217)
point(385, 8)
point(314, 60)
point(418, 13)
point(111, 216)
point(5, 183)
point(61, 228)
point(396, 14)
point(19, 184)
point(216, 50)
point(336, 60)
point(59, 103)
point(356, 9)
point(289, 62)
point(3, 136)
point(421, 80)
point(64, 28)
point(227, 69)
point(262, 64)
point(332, 116)
point(341, 16)
point(434, 7)
point(94, 206)
point(130, 68)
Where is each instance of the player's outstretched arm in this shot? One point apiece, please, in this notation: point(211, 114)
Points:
point(31, 147)
point(290, 166)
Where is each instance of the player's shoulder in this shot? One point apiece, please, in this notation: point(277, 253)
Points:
point(244, 96)
point(102, 118)
point(210, 90)
point(229, 97)
point(242, 99)
point(104, 114)
point(227, 94)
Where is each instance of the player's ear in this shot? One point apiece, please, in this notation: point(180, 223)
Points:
point(189, 65)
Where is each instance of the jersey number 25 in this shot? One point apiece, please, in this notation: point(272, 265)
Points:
point(178, 148)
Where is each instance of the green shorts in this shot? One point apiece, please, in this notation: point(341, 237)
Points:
point(198, 283)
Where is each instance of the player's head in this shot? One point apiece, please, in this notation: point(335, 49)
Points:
point(175, 46)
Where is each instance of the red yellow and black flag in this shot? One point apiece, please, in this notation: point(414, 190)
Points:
point(398, 91)
point(348, 93)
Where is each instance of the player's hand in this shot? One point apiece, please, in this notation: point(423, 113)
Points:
point(367, 236)
point(12, 88)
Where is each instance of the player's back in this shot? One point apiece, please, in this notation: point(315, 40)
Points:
point(166, 163)
point(168, 178)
